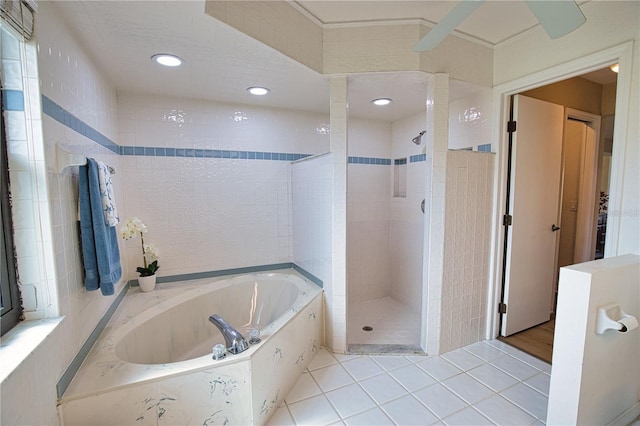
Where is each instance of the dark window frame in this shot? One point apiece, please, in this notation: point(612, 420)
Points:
point(10, 303)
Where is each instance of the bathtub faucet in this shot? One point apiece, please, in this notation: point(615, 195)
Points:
point(233, 339)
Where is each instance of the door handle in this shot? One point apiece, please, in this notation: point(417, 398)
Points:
point(554, 228)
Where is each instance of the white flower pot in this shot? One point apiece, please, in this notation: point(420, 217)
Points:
point(147, 283)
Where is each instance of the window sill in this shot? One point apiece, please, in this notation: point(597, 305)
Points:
point(21, 341)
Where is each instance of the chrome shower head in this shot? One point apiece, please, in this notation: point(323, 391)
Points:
point(418, 139)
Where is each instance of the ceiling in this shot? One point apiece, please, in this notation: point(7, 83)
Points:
point(221, 62)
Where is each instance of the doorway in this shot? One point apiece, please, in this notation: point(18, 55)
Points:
point(569, 231)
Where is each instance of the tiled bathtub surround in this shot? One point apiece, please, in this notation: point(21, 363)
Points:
point(211, 180)
point(486, 383)
point(240, 389)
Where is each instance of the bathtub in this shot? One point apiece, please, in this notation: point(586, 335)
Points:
point(153, 363)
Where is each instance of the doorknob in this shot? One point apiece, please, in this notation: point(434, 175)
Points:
point(554, 228)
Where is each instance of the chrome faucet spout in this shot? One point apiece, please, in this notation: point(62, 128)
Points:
point(233, 339)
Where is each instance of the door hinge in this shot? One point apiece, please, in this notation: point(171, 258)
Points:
point(502, 308)
point(507, 220)
point(511, 126)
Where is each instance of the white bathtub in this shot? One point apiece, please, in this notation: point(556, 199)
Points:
point(153, 363)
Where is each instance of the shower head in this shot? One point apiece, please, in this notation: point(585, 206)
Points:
point(418, 139)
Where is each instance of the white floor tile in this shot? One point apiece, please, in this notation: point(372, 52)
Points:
point(362, 368)
point(466, 417)
point(534, 362)
point(540, 382)
point(383, 388)
point(399, 325)
point(502, 412)
point(345, 357)
point(374, 417)
point(412, 377)
point(332, 377)
point(304, 388)
point(485, 351)
point(350, 400)
point(467, 388)
point(492, 377)
point(391, 362)
point(322, 358)
point(530, 400)
point(515, 367)
point(440, 400)
point(281, 418)
point(313, 411)
point(438, 368)
point(463, 359)
point(409, 411)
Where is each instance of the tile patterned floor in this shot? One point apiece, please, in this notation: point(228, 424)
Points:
point(486, 383)
point(398, 325)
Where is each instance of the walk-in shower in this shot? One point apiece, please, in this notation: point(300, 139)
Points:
point(385, 225)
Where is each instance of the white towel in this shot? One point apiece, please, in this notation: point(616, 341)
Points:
point(111, 217)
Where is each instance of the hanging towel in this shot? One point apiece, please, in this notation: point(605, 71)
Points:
point(100, 251)
point(106, 192)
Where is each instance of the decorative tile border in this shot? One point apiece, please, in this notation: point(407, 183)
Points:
point(370, 160)
point(12, 100)
point(417, 158)
point(484, 148)
point(210, 153)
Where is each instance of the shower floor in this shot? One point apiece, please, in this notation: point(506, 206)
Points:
point(393, 323)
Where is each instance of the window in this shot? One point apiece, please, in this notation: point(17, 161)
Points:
point(9, 293)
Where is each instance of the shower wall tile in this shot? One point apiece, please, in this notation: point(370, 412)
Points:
point(368, 195)
point(466, 246)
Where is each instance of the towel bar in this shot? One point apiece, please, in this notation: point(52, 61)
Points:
point(66, 159)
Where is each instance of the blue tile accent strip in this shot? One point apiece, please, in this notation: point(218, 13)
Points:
point(63, 116)
point(419, 157)
point(400, 161)
point(370, 160)
point(235, 271)
point(12, 100)
point(73, 368)
point(484, 148)
point(210, 153)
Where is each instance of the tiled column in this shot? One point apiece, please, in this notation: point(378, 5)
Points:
point(437, 143)
point(336, 293)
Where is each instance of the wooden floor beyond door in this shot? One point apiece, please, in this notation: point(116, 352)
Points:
point(537, 341)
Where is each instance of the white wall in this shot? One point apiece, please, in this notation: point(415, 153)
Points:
point(69, 78)
point(595, 378)
point(470, 117)
point(594, 36)
point(368, 195)
point(208, 213)
point(406, 235)
point(311, 188)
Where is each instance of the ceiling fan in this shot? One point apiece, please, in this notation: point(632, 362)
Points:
point(557, 17)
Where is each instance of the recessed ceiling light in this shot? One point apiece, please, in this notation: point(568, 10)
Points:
point(167, 60)
point(381, 101)
point(615, 68)
point(258, 91)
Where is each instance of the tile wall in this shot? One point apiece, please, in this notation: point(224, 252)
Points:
point(368, 209)
point(470, 120)
point(311, 194)
point(212, 180)
point(66, 75)
point(467, 237)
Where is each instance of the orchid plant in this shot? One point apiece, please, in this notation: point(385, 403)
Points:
point(132, 227)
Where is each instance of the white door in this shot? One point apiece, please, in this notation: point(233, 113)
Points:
point(533, 205)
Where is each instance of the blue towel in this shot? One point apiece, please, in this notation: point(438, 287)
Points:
point(99, 241)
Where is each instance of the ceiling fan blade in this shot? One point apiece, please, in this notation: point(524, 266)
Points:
point(448, 24)
point(558, 17)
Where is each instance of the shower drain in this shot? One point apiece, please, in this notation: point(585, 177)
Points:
point(367, 328)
